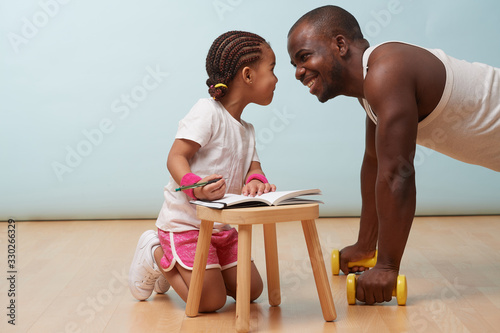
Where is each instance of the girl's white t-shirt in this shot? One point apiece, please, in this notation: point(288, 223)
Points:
point(227, 148)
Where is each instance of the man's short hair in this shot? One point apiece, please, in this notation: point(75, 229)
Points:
point(331, 21)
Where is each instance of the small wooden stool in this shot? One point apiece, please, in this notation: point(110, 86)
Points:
point(268, 217)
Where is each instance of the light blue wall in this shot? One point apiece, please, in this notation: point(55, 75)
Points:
point(109, 80)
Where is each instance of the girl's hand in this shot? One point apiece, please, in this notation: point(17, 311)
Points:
point(256, 187)
point(212, 191)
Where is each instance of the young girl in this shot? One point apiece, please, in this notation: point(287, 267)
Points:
point(212, 142)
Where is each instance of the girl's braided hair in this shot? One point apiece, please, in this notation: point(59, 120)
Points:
point(227, 54)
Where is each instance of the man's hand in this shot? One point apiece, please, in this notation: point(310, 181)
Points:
point(376, 285)
point(256, 187)
point(351, 254)
point(212, 191)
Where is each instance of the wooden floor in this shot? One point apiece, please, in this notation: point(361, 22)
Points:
point(72, 277)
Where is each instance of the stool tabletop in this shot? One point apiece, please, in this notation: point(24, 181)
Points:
point(259, 215)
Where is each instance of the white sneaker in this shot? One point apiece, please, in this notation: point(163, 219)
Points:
point(144, 271)
point(161, 285)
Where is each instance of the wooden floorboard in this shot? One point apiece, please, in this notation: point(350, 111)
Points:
point(72, 277)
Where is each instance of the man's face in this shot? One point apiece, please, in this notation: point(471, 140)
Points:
point(316, 61)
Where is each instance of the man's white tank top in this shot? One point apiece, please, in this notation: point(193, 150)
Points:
point(465, 124)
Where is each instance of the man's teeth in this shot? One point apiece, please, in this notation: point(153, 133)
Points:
point(310, 84)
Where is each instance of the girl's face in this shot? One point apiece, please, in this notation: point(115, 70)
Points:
point(264, 81)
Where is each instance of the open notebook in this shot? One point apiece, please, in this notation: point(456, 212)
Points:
point(267, 199)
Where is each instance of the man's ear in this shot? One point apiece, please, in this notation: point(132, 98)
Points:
point(247, 74)
point(341, 44)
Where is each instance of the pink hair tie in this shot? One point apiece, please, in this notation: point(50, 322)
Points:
point(190, 179)
point(257, 176)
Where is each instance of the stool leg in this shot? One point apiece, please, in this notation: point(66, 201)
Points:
point(199, 266)
point(319, 270)
point(243, 275)
point(272, 265)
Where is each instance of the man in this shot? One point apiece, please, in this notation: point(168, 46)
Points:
point(411, 95)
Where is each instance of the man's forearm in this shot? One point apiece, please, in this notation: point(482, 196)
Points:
point(396, 200)
point(368, 226)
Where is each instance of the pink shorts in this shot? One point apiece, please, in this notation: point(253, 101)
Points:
point(180, 247)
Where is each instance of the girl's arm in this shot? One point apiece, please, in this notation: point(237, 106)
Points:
point(180, 154)
point(256, 186)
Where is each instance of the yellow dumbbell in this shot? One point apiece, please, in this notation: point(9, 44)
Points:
point(365, 262)
point(399, 291)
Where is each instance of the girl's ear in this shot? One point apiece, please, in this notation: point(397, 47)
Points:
point(247, 75)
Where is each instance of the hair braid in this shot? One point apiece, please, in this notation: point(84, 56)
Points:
point(243, 49)
point(228, 53)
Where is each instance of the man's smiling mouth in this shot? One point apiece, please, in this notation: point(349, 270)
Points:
point(310, 82)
